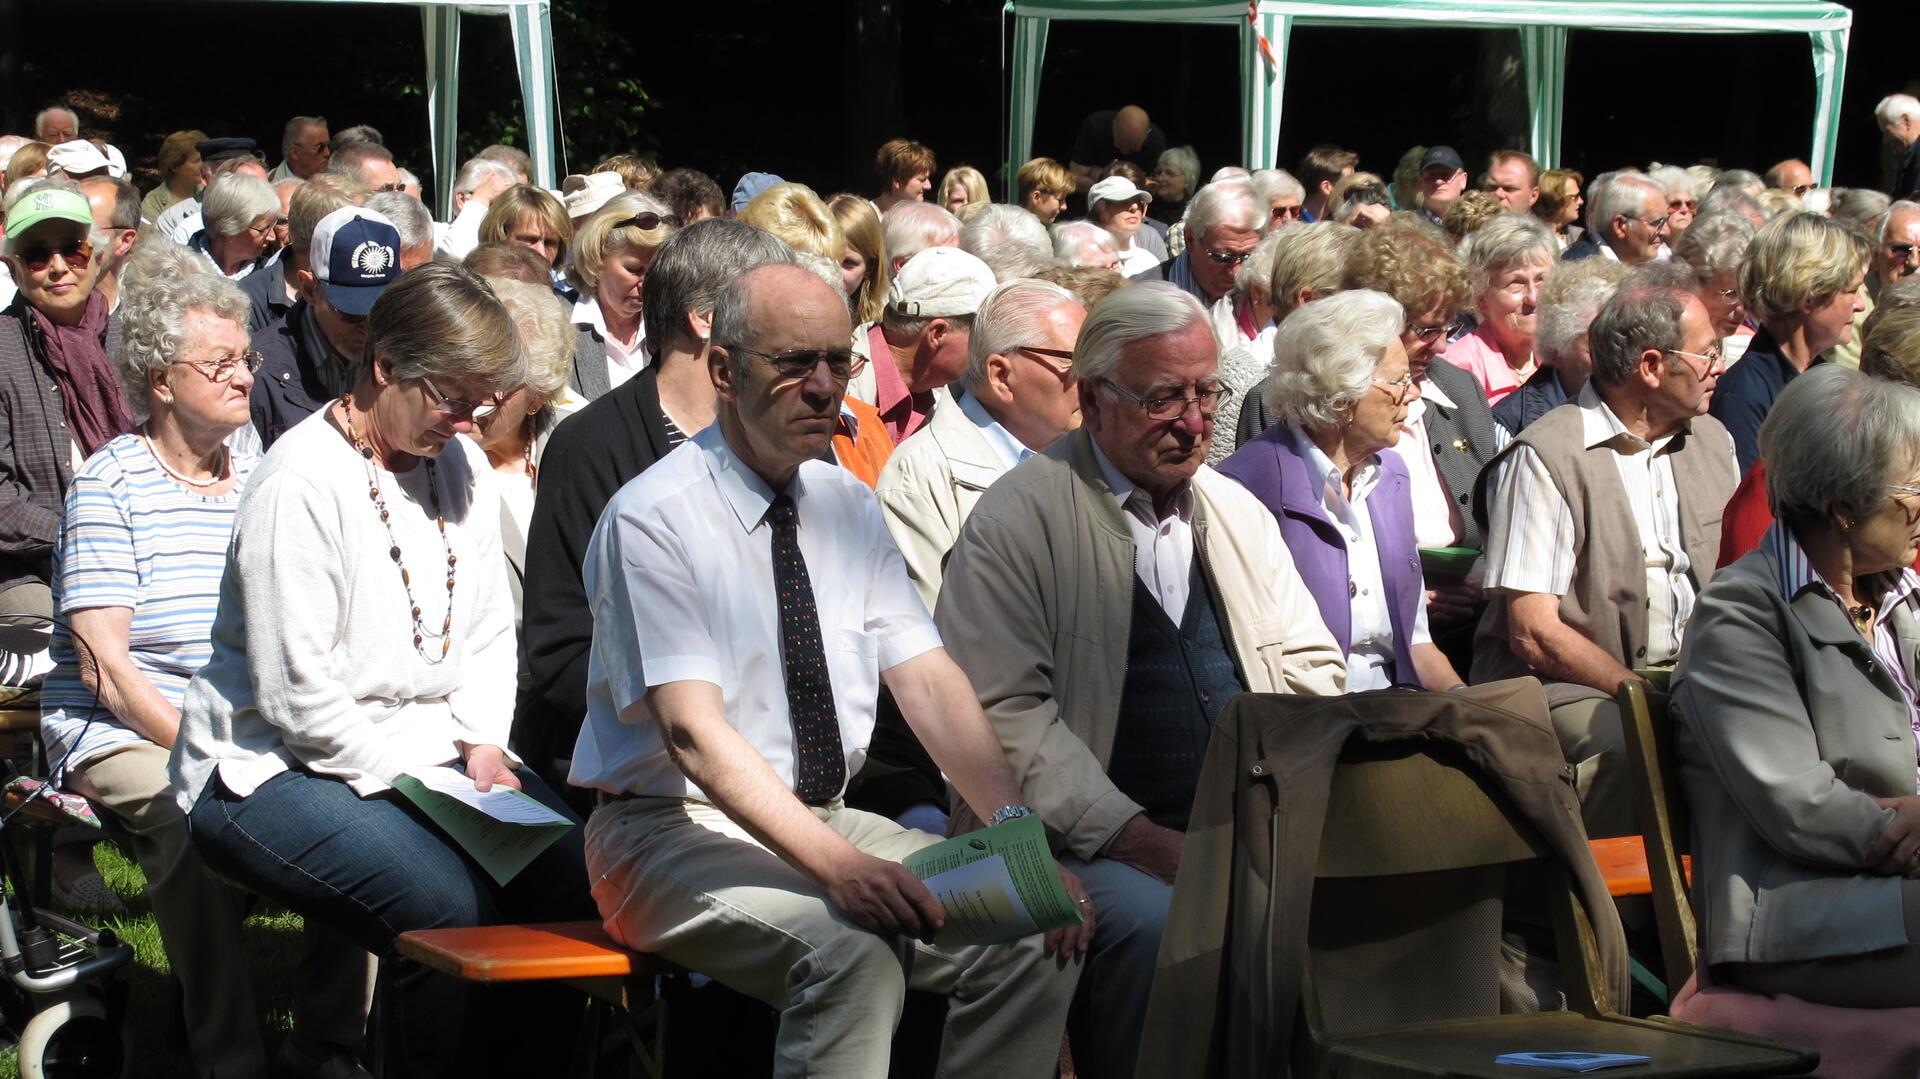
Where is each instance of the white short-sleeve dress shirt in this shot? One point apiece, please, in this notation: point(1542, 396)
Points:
point(680, 577)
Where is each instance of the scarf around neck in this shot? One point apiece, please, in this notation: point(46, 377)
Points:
point(90, 391)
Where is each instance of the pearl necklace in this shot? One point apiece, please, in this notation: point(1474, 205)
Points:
point(220, 476)
point(420, 631)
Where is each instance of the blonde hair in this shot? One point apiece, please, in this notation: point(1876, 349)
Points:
point(796, 215)
point(1891, 346)
point(1470, 213)
point(544, 331)
point(967, 178)
point(1796, 259)
point(860, 226)
point(1311, 256)
point(1046, 175)
point(523, 199)
point(599, 239)
point(634, 171)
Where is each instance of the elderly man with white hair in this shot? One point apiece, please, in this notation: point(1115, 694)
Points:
point(479, 181)
point(1106, 598)
point(1017, 396)
point(919, 345)
point(1626, 220)
point(1896, 252)
point(1083, 243)
point(908, 228)
point(55, 125)
point(1224, 224)
point(305, 149)
point(410, 218)
point(1286, 196)
point(1009, 239)
point(1899, 118)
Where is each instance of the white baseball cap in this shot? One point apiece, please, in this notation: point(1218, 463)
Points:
point(1115, 189)
point(940, 282)
point(82, 158)
point(596, 191)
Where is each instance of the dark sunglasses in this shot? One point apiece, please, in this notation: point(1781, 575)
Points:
point(800, 363)
point(648, 221)
point(75, 253)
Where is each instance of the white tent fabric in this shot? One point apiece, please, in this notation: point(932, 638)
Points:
point(532, 24)
point(1266, 27)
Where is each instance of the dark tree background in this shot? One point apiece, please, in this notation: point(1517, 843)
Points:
point(808, 90)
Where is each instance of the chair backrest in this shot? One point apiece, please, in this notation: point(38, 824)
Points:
point(1420, 858)
point(1661, 809)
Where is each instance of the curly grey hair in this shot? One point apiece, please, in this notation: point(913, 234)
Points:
point(162, 284)
point(1325, 354)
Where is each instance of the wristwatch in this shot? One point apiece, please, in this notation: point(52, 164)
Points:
point(1007, 813)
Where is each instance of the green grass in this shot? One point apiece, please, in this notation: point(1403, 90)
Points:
point(155, 1037)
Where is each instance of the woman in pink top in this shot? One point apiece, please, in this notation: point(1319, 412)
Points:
point(1511, 256)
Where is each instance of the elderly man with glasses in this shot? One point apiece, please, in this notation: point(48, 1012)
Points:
point(305, 149)
point(1626, 220)
point(1224, 224)
point(1603, 522)
point(1106, 598)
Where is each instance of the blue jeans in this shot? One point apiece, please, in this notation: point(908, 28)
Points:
point(1111, 1006)
point(375, 868)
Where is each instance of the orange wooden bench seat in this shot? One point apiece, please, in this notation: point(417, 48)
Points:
point(1623, 864)
point(556, 951)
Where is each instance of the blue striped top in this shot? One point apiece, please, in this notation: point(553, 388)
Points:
point(134, 537)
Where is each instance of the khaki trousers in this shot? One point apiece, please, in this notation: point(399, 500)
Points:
point(1889, 978)
point(200, 922)
point(1596, 746)
point(679, 879)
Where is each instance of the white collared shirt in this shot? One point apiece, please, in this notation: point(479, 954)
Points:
point(1162, 547)
point(679, 575)
point(1011, 450)
point(1530, 534)
point(622, 362)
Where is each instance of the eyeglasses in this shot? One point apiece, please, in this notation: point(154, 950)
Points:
point(316, 147)
point(1396, 387)
point(1801, 189)
point(456, 410)
point(262, 232)
point(1057, 360)
point(1436, 332)
point(1689, 205)
point(1904, 489)
point(1654, 224)
point(1713, 359)
point(1288, 213)
point(223, 368)
point(1728, 295)
point(1173, 406)
point(1228, 258)
point(799, 363)
point(648, 221)
point(75, 253)
point(1901, 252)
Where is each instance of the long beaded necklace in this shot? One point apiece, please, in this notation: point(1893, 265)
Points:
point(420, 631)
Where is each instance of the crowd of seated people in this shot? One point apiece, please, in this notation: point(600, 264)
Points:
point(768, 535)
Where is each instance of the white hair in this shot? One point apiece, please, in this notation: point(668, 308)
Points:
point(1884, 223)
point(1013, 314)
point(1325, 354)
point(1278, 184)
point(1234, 203)
point(476, 172)
point(1715, 244)
point(1128, 316)
point(1010, 240)
point(408, 214)
point(291, 183)
point(407, 178)
point(9, 145)
point(1255, 275)
point(163, 282)
point(1507, 241)
point(231, 202)
point(1072, 238)
point(1673, 179)
point(40, 118)
point(1228, 172)
point(909, 228)
point(1894, 108)
point(1615, 193)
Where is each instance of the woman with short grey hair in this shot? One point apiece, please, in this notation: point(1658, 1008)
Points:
point(1683, 202)
point(1714, 248)
point(1176, 175)
point(1510, 258)
point(1568, 304)
point(237, 211)
point(1083, 243)
point(1286, 197)
point(1796, 710)
point(365, 633)
point(1339, 393)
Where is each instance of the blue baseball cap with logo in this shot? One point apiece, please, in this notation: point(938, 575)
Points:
point(355, 254)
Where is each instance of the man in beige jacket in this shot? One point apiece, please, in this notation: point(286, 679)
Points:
point(1106, 598)
point(1017, 396)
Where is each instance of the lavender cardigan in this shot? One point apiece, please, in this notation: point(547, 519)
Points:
point(1277, 475)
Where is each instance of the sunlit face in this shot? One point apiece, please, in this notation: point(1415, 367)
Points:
point(1441, 185)
point(1039, 387)
point(1680, 209)
point(621, 276)
point(914, 188)
point(1830, 319)
point(1509, 182)
point(54, 266)
point(310, 152)
point(1285, 209)
point(784, 420)
point(1688, 381)
point(209, 346)
point(1721, 296)
point(1217, 255)
point(1168, 182)
point(188, 171)
point(1511, 302)
point(531, 231)
point(1096, 256)
point(58, 127)
point(1889, 537)
point(414, 418)
point(1898, 255)
point(957, 198)
point(1637, 239)
point(1044, 205)
point(1425, 334)
point(853, 270)
point(1374, 421)
point(1158, 454)
point(498, 426)
point(1571, 209)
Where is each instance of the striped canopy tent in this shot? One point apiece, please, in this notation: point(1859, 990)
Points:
point(1266, 27)
point(532, 25)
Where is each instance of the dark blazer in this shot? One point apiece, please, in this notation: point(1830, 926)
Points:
point(1535, 398)
point(288, 387)
point(266, 291)
point(36, 449)
point(1906, 182)
point(589, 456)
point(1746, 394)
point(1583, 248)
point(589, 378)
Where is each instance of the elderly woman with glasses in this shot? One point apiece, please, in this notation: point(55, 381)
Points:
point(136, 578)
point(1795, 708)
point(1510, 257)
point(238, 211)
point(365, 633)
point(1801, 278)
point(1340, 389)
point(610, 260)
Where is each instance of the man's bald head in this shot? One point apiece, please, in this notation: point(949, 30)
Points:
point(1130, 129)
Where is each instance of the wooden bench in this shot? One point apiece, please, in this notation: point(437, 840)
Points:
point(1623, 865)
point(635, 987)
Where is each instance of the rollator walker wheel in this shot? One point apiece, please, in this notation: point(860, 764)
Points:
point(72, 1039)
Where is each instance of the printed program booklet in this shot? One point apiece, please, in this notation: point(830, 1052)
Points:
point(997, 884)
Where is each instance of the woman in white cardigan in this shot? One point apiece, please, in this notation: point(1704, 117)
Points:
point(365, 632)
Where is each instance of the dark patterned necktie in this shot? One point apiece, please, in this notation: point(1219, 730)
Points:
point(820, 768)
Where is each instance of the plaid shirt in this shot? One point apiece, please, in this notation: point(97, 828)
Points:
point(36, 449)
